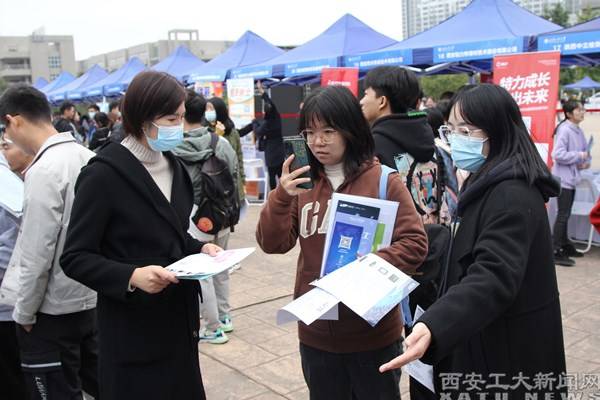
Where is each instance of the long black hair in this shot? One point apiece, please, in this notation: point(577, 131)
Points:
point(336, 107)
point(222, 113)
point(568, 107)
point(492, 109)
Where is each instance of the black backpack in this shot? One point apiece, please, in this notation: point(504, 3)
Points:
point(215, 193)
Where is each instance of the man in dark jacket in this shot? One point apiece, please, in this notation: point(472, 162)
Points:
point(389, 104)
point(117, 134)
point(66, 121)
point(391, 96)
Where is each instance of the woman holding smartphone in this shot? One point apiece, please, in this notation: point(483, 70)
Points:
point(129, 221)
point(340, 358)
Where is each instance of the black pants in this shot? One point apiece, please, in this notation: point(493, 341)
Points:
point(565, 202)
point(351, 376)
point(12, 383)
point(274, 171)
point(59, 356)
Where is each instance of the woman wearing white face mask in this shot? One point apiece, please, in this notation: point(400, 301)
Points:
point(498, 319)
point(129, 220)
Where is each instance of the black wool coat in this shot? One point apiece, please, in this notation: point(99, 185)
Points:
point(148, 343)
point(501, 313)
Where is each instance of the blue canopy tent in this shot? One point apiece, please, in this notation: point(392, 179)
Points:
point(115, 83)
point(60, 81)
point(584, 84)
point(179, 63)
point(466, 42)
point(578, 45)
point(40, 83)
point(348, 35)
point(71, 91)
point(249, 49)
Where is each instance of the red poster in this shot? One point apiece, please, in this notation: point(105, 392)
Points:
point(347, 77)
point(532, 79)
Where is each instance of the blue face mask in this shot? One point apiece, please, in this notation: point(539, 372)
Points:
point(167, 139)
point(211, 116)
point(467, 152)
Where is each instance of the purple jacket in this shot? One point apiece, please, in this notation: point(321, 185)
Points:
point(569, 143)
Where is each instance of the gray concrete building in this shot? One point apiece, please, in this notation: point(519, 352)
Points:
point(23, 59)
point(152, 53)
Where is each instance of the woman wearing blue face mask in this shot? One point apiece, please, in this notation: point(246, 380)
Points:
point(129, 220)
point(497, 322)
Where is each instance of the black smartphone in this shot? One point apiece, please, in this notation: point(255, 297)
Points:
point(296, 145)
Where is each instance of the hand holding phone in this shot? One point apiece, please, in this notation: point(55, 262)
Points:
point(296, 146)
point(292, 181)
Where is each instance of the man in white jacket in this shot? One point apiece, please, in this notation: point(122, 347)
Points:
point(55, 316)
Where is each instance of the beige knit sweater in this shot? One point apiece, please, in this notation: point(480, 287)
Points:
point(155, 163)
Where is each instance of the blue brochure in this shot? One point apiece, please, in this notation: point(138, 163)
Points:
point(344, 246)
point(354, 231)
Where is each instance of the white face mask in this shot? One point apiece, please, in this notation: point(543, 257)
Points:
point(168, 137)
point(211, 115)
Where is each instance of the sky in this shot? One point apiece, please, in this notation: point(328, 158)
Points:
point(105, 25)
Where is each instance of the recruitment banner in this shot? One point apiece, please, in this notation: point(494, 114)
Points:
point(209, 89)
point(347, 77)
point(532, 79)
point(240, 96)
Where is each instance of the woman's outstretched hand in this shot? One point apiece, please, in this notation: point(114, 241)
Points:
point(415, 345)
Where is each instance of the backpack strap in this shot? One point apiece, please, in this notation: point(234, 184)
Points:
point(385, 173)
point(441, 182)
point(214, 139)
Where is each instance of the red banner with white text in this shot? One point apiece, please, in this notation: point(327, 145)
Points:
point(347, 77)
point(532, 79)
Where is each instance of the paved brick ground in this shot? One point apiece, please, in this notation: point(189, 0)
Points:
point(261, 360)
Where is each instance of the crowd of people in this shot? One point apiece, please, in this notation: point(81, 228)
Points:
point(112, 198)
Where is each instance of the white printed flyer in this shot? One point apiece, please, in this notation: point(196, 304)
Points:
point(369, 286)
point(311, 306)
point(12, 193)
point(420, 371)
point(202, 266)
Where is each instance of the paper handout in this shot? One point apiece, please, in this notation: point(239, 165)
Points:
point(420, 371)
point(313, 305)
point(369, 286)
point(12, 193)
point(201, 266)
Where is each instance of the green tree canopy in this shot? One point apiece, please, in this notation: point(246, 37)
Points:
point(435, 85)
point(587, 14)
point(557, 14)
